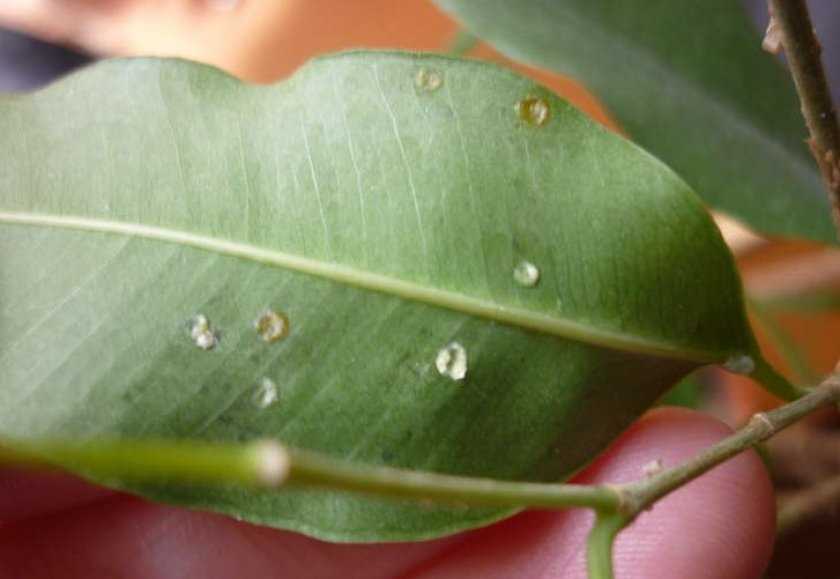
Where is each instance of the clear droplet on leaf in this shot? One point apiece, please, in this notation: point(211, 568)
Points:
point(533, 110)
point(526, 274)
point(272, 326)
point(202, 334)
point(740, 364)
point(451, 361)
point(266, 393)
point(428, 80)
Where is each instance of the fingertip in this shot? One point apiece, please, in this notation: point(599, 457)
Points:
point(720, 525)
point(130, 538)
point(25, 494)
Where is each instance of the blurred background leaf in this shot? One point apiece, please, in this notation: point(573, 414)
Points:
point(690, 83)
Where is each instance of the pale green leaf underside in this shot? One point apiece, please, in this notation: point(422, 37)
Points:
point(385, 220)
point(689, 82)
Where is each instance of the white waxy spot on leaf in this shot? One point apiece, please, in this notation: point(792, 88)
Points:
point(272, 326)
point(740, 364)
point(451, 361)
point(202, 334)
point(428, 80)
point(526, 274)
point(266, 393)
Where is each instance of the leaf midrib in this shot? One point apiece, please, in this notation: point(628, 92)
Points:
point(514, 316)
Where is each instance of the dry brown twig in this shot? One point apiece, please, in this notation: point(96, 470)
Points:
point(792, 24)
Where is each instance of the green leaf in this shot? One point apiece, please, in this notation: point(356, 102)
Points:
point(381, 202)
point(689, 82)
point(688, 393)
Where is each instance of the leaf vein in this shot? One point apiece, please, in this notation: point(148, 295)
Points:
point(514, 316)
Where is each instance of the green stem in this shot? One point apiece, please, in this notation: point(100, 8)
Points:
point(599, 544)
point(640, 495)
point(774, 382)
point(255, 464)
point(268, 464)
point(314, 469)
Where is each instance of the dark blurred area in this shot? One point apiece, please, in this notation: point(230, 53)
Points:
point(27, 63)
